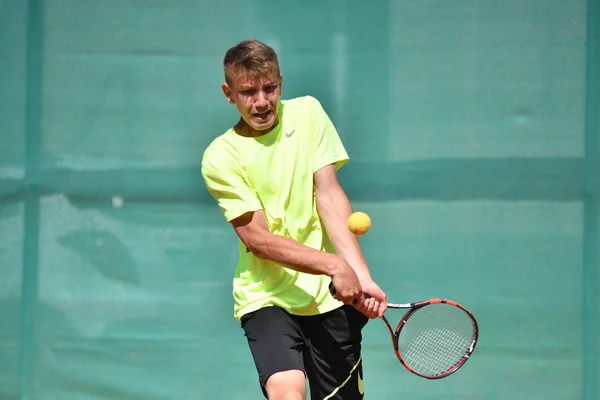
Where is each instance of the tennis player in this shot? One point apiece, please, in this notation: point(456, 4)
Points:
point(274, 176)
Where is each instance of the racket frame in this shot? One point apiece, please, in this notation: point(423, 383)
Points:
point(412, 308)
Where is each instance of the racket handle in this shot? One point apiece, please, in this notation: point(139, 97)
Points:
point(332, 288)
point(332, 291)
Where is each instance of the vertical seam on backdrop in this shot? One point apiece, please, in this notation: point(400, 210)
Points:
point(590, 207)
point(29, 283)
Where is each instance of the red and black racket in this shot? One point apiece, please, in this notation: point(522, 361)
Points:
point(434, 338)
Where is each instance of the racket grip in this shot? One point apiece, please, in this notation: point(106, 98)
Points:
point(332, 290)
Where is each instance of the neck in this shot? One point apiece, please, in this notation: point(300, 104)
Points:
point(243, 129)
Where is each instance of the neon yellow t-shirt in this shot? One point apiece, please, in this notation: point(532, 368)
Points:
point(274, 173)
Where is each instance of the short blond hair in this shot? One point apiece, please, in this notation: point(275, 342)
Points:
point(250, 57)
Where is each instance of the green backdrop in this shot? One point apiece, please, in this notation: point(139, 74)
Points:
point(473, 130)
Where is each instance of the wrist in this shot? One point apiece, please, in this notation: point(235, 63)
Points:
point(362, 272)
point(334, 265)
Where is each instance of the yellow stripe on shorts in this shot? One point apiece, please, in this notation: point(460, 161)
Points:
point(346, 380)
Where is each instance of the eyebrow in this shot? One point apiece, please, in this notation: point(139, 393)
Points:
point(245, 86)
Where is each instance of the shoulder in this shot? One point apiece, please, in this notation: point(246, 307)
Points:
point(214, 149)
point(304, 107)
point(220, 150)
point(221, 145)
point(308, 102)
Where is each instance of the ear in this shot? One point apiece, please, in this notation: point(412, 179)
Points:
point(280, 83)
point(227, 92)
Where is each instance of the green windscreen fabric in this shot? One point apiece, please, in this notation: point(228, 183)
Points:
point(472, 128)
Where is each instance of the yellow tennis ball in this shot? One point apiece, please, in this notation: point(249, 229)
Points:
point(359, 223)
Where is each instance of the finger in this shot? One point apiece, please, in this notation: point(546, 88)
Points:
point(369, 307)
point(375, 310)
point(360, 296)
point(368, 313)
point(382, 309)
point(370, 303)
point(376, 307)
point(363, 307)
point(383, 306)
point(351, 300)
point(373, 306)
point(347, 295)
point(361, 303)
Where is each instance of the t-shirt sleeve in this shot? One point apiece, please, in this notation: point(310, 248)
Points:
point(227, 184)
point(328, 147)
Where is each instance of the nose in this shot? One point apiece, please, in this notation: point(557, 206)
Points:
point(261, 100)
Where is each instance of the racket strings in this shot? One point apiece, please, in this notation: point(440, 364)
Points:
point(419, 353)
point(435, 338)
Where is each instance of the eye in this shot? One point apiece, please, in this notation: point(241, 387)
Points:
point(271, 89)
point(248, 92)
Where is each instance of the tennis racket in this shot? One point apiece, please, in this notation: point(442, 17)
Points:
point(434, 338)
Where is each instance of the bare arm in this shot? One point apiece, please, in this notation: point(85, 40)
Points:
point(253, 231)
point(335, 208)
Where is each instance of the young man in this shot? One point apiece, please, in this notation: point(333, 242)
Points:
point(274, 176)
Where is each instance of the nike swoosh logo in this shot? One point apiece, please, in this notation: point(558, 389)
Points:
point(289, 134)
point(361, 388)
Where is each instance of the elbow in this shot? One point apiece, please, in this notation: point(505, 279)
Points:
point(325, 208)
point(330, 201)
point(251, 247)
point(257, 245)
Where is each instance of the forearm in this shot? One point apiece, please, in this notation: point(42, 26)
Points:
point(293, 254)
point(334, 209)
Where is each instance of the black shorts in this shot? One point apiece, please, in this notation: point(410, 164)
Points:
point(326, 347)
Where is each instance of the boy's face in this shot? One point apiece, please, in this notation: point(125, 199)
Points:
point(257, 100)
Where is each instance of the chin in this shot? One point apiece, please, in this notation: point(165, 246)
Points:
point(265, 125)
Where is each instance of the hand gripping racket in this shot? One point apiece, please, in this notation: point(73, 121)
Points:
point(434, 338)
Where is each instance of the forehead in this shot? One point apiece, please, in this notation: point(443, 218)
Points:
point(245, 80)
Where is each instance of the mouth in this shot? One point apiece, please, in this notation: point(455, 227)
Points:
point(262, 116)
